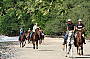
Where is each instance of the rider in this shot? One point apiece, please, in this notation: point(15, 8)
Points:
point(34, 28)
point(70, 28)
point(29, 30)
point(80, 26)
point(21, 31)
point(28, 34)
point(41, 31)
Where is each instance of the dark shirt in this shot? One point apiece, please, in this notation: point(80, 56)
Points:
point(70, 26)
point(79, 26)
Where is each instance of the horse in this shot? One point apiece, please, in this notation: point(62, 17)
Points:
point(69, 43)
point(35, 38)
point(79, 42)
point(41, 37)
point(22, 39)
point(28, 37)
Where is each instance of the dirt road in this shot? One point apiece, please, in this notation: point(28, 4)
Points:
point(51, 48)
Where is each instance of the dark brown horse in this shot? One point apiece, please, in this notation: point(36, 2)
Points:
point(41, 37)
point(28, 37)
point(22, 39)
point(79, 42)
point(35, 38)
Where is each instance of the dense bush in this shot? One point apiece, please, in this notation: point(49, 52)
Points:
point(51, 15)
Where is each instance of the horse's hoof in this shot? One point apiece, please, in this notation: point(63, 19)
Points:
point(66, 56)
point(36, 48)
point(23, 46)
point(68, 53)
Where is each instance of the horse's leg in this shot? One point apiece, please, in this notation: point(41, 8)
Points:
point(37, 44)
point(28, 40)
point(67, 48)
point(71, 50)
point(20, 43)
point(33, 44)
point(77, 50)
point(24, 42)
point(70, 47)
point(82, 50)
point(40, 41)
point(64, 47)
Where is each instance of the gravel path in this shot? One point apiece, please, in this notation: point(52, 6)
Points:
point(51, 48)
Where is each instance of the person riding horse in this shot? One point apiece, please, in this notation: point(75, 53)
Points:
point(41, 35)
point(21, 31)
point(28, 35)
point(34, 28)
point(70, 28)
point(68, 44)
point(79, 27)
point(35, 36)
point(22, 39)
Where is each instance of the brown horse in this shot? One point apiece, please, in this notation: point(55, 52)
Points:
point(79, 42)
point(41, 37)
point(35, 38)
point(28, 37)
point(22, 39)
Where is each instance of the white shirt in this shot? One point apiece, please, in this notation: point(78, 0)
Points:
point(34, 28)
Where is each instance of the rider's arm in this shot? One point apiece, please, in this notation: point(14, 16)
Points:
point(83, 27)
point(74, 28)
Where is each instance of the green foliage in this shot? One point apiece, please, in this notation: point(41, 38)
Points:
point(51, 15)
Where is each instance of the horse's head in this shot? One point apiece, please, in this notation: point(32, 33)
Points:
point(79, 36)
point(37, 32)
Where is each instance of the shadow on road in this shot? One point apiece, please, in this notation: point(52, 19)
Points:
point(45, 50)
point(28, 47)
point(87, 55)
point(84, 56)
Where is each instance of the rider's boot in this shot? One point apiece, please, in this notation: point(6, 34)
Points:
point(64, 42)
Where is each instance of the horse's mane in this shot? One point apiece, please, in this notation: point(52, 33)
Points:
point(79, 38)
